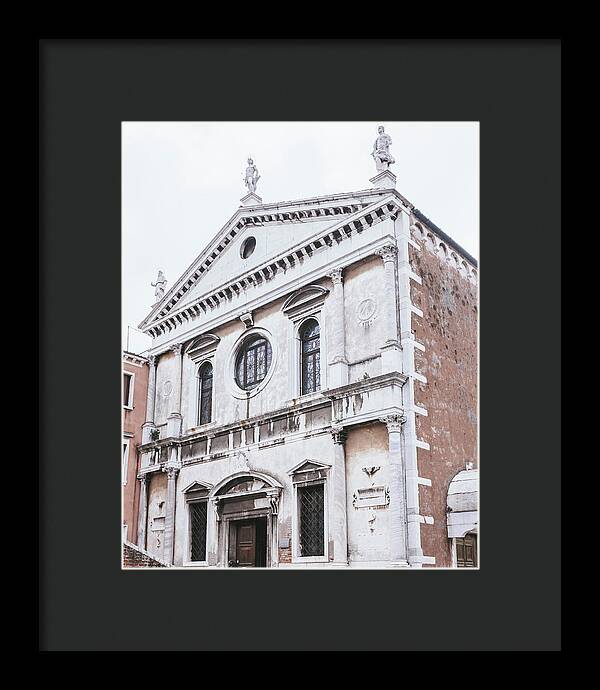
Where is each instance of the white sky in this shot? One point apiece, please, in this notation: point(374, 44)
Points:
point(183, 180)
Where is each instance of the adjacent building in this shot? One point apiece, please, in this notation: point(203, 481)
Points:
point(312, 391)
point(135, 393)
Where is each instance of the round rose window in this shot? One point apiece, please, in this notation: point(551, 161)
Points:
point(252, 362)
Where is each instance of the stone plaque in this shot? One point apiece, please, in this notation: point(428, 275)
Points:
point(374, 496)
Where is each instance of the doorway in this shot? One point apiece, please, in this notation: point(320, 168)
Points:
point(248, 543)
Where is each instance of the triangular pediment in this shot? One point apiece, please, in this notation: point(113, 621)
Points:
point(197, 486)
point(275, 228)
point(309, 466)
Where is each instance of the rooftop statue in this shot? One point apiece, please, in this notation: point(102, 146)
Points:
point(381, 150)
point(252, 176)
point(161, 281)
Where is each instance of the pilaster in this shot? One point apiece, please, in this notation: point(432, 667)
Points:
point(391, 355)
point(172, 473)
point(397, 506)
point(143, 510)
point(150, 400)
point(338, 365)
point(339, 518)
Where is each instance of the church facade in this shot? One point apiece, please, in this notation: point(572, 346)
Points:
point(312, 392)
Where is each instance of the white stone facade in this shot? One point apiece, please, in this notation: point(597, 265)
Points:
point(342, 260)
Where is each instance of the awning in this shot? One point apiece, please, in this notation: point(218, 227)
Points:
point(463, 503)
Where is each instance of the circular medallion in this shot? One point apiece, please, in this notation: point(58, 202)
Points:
point(167, 388)
point(366, 309)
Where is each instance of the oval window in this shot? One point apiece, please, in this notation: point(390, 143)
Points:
point(252, 362)
point(248, 247)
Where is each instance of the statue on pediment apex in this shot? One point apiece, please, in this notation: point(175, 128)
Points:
point(252, 176)
point(160, 283)
point(381, 150)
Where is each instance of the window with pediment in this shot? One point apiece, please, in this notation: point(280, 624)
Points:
point(205, 391)
point(310, 356)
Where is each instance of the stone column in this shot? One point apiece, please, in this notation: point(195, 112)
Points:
point(397, 508)
point(150, 400)
point(212, 531)
point(273, 496)
point(169, 535)
point(390, 351)
point(175, 419)
point(338, 364)
point(143, 510)
point(339, 522)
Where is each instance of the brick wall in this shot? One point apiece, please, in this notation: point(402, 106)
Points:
point(448, 330)
point(134, 557)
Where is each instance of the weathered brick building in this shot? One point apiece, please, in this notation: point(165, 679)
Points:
point(135, 393)
point(312, 396)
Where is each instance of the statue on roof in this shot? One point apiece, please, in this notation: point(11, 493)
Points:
point(161, 281)
point(381, 150)
point(252, 176)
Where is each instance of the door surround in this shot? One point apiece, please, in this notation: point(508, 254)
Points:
point(246, 496)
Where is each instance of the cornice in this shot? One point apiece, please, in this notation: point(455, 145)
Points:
point(283, 290)
point(362, 385)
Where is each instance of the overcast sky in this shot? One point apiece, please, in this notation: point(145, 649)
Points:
point(183, 180)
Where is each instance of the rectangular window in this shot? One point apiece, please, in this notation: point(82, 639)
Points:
point(125, 460)
point(198, 513)
point(311, 508)
point(127, 389)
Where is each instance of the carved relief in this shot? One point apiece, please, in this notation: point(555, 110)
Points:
point(167, 388)
point(366, 311)
point(370, 471)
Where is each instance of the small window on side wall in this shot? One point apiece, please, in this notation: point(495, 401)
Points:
point(205, 374)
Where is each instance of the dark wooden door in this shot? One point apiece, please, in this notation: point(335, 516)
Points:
point(246, 544)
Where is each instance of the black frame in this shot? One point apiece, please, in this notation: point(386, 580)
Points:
point(86, 87)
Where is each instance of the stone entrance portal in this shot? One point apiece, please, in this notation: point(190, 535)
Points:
point(246, 508)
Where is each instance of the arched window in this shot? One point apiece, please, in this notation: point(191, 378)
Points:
point(310, 339)
point(253, 362)
point(205, 393)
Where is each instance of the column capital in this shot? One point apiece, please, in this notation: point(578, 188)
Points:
point(172, 471)
point(393, 422)
point(152, 360)
point(339, 434)
point(387, 252)
point(176, 348)
point(144, 478)
point(336, 276)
